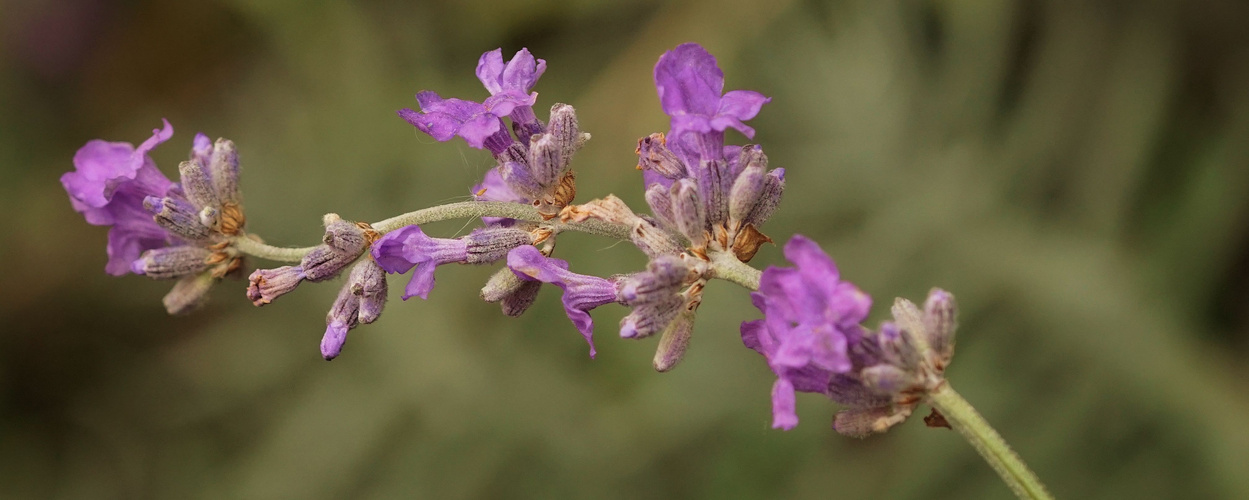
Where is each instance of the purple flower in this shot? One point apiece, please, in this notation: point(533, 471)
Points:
point(408, 247)
point(690, 86)
point(443, 119)
point(481, 124)
point(518, 75)
point(401, 250)
point(108, 185)
point(581, 292)
point(810, 317)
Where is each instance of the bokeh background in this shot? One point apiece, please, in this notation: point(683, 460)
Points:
point(1077, 173)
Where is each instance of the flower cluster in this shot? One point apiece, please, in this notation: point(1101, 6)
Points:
point(811, 336)
point(716, 196)
point(160, 228)
point(707, 198)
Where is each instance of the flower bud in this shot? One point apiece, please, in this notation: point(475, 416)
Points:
point(491, 243)
point(746, 190)
point(513, 294)
point(653, 154)
point(663, 277)
point(223, 169)
point(171, 262)
point(518, 177)
point(653, 240)
point(197, 185)
point(368, 282)
point(714, 184)
point(188, 293)
point(563, 128)
point(660, 201)
point(343, 236)
point(674, 342)
point(324, 262)
point(546, 159)
point(939, 323)
point(650, 317)
point(886, 379)
point(769, 198)
point(687, 211)
point(343, 316)
point(516, 303)
point(265, 285)
point(177, 216)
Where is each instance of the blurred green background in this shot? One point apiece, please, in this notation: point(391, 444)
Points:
point(1075, 172)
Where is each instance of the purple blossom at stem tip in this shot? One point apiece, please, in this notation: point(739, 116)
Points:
point(810, 318)
point(108, 185)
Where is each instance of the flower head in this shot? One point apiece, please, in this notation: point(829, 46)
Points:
point(715, 195)
point(160, 228)
point(810, 317)
point(108, 185)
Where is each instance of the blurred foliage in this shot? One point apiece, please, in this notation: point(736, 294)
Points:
point(1075, 172)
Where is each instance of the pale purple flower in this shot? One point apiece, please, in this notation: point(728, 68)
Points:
point(108, 185)
point(810, 317)
point(581, 292)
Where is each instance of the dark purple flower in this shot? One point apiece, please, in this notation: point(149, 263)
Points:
point(108, 185)
point(691, 85)
point(810, 317)
point(581, 292)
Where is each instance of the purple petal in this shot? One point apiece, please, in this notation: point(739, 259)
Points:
point(333, 340)
point(783, 415)
point(503, 103)
point(490, 70)
point(522, 72)
point(741, 105)
point(688, 81)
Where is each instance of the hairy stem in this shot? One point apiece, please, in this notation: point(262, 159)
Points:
point(269, 252)
point(724, 265)
point(461, 210)
point(964, 419)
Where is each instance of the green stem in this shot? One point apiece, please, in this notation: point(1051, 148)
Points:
point(461, 210)
point(964, 419)
point(269, 252)
point(724, 265)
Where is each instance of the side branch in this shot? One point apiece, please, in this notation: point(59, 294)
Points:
point(461, 210)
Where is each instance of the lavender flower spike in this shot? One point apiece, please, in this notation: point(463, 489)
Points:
point(108, 185)
point(690, 86)
point(581, 292)
point(810, 317)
